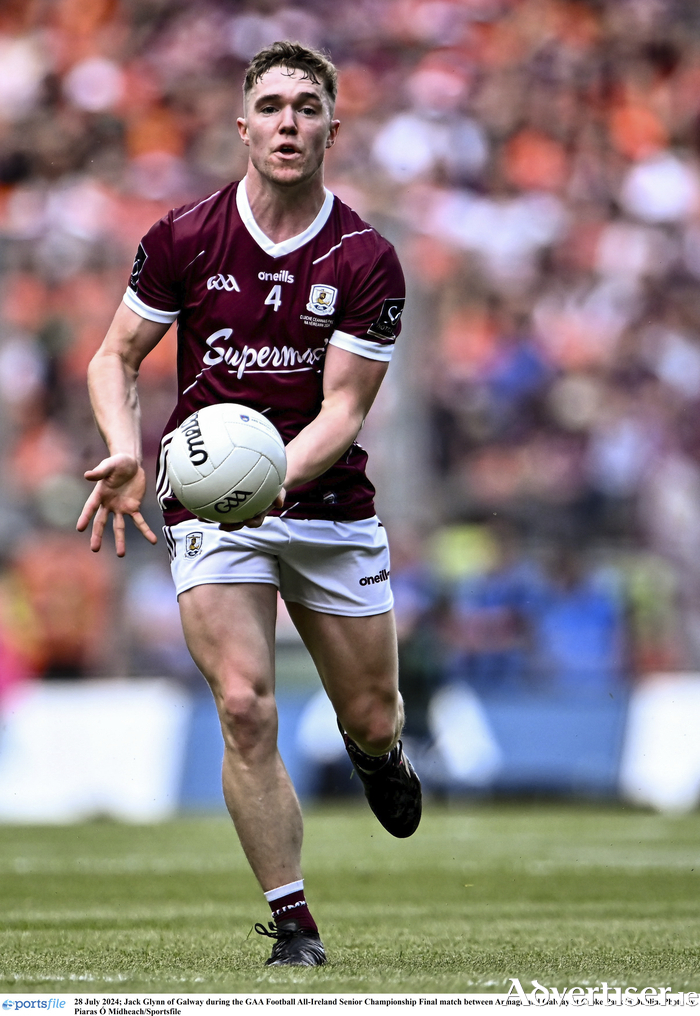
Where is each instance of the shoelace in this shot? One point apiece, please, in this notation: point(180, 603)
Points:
point(273, 932)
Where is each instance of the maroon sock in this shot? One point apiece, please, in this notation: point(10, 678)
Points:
point(293, 905)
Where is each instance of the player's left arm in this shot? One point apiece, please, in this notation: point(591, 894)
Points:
point(350, 386)
point(357, 358)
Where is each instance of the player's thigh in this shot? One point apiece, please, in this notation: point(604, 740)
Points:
point(356, 658)
point(230, 633)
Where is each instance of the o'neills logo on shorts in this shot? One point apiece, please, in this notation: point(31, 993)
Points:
point(369, 580)
point(195, 442)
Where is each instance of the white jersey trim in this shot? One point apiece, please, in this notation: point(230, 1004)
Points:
point(363, 347)
point(202, 202)
point(163, 488)
point(345, 236)
point(163, 317)
point(276, 250)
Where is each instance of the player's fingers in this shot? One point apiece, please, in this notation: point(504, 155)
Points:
point(120, 460)
point(144, 528)
point(98, 528)
point(256, 521)
point(84, 517)
point(89, 508)
point(119, 537)
point(101, 470)
point(96, 473)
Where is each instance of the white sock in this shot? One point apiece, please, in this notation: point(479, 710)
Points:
point(284, 890)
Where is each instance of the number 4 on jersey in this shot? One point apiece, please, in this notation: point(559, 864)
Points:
point(274, 297)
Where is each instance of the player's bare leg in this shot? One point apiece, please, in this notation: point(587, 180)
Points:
point(357, 660)
point(230, 632)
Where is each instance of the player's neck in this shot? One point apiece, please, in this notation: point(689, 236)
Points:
point(283, 212)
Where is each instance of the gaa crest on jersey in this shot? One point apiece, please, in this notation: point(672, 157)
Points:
point(193, 544)
point(322, 299)
point(139, 262)
point(222, 281)
point(389, 316)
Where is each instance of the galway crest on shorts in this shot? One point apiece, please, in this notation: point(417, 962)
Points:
point(193, 543)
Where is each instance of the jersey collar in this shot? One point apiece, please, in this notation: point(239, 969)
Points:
point(276, 250)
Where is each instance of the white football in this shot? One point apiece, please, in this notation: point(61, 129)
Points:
point(226, 463)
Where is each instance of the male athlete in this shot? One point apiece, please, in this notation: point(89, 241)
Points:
point(288, 302)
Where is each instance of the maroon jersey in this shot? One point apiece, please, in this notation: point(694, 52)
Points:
point(254, 320)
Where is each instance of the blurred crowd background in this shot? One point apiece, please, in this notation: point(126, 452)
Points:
point(536, 163)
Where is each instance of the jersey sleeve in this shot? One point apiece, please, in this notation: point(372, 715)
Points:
point(371, 320)
point(152, 292)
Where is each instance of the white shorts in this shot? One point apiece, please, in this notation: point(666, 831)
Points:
point(332, 567)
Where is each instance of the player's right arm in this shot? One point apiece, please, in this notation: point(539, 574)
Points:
point(120, 481)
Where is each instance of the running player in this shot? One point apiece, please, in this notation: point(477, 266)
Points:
point(287, 302)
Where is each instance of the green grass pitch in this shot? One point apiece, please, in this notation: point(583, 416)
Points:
point(566, 895)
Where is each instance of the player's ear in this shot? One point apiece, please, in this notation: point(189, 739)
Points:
point(332, 133)
point(242, 125)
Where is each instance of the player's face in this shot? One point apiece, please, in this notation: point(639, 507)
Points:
point(288, 126)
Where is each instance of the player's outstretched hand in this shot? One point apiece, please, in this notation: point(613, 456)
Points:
point(119, 489)
point(257, 520)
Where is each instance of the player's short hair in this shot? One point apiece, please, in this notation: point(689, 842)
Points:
point(315, 64)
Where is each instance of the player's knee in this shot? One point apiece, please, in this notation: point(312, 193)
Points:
point(248, 718)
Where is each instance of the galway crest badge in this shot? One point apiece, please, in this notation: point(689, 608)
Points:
point(194, 544)
point(322, 299)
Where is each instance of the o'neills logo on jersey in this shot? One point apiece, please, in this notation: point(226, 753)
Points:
point(195, 442)
point(284, 276)
point(369, 580)
point(322, 299)
point(226, 282)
